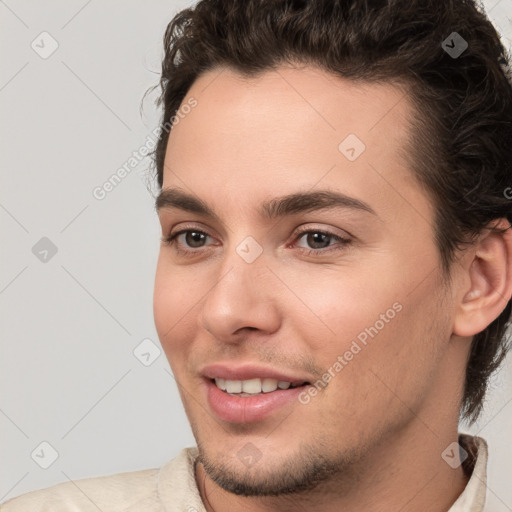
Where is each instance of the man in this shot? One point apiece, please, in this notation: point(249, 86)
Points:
point(335, 273)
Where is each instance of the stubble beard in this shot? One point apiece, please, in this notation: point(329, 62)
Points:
point(310, 470)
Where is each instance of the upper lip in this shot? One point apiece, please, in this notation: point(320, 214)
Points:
point(250, 371)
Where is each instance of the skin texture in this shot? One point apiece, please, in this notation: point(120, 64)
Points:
point(372, 439)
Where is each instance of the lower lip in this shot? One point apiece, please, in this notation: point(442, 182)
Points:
point(248, 409)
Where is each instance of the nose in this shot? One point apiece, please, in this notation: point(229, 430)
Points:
point(243, 298)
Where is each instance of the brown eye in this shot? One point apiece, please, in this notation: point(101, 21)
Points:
point(318, 241)
point(315, 238)
point(193, 239)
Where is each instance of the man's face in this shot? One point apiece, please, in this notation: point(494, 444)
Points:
point(282, 298)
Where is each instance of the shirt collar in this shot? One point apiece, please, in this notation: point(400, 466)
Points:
point(472, 498)
point(177, 488)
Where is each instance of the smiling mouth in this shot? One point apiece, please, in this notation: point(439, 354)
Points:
point(257, 386)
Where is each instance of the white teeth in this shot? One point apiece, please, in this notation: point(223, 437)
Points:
point(268, 385)
point(221, 384)
point(251, 386)
point(234, 386)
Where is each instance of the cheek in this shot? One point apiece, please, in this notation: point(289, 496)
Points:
point(162, 301)
point(334, 308)
point(171, 306)
point(395, 369)
point(358, 326)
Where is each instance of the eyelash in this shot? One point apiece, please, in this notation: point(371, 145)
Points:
point(171, 241)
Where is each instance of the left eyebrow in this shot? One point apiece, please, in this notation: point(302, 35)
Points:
point(311, 201)
point(282, 206)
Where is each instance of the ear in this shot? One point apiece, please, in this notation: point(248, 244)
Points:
point(489, 272)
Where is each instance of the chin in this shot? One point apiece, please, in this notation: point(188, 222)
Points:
point(248, 472)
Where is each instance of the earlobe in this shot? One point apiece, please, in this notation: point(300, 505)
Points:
point(490, 278)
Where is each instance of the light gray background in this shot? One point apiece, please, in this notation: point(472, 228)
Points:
point(70, 325)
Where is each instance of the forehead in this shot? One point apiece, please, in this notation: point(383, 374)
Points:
point(308, 93)
point(291, 109)
point(291, 128)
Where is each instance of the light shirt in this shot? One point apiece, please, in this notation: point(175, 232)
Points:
point(173, 488)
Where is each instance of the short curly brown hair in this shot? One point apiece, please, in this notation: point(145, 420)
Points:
point(461, 137)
